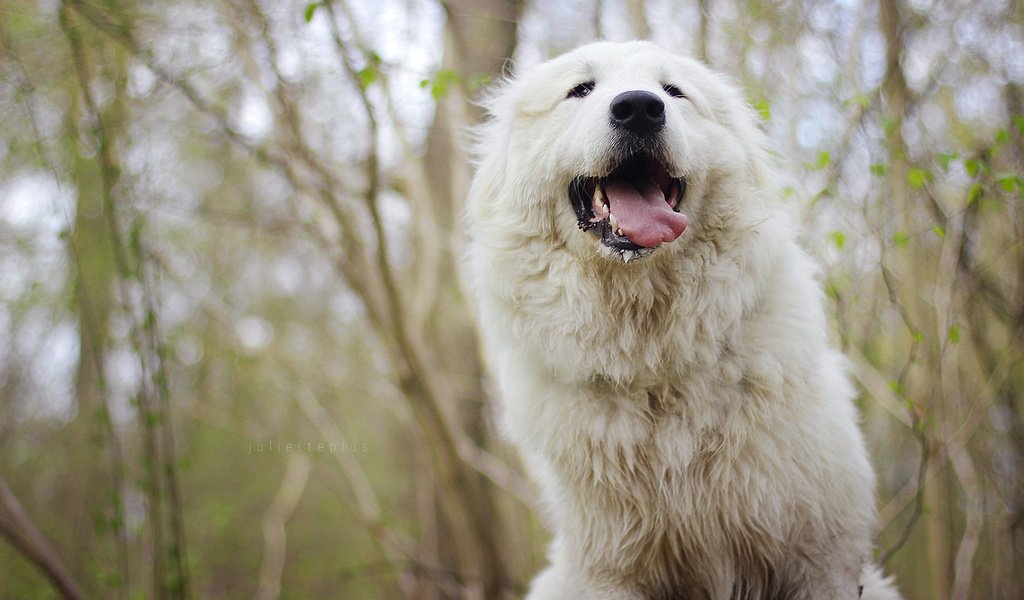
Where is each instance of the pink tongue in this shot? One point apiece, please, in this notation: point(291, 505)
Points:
point(642, 213)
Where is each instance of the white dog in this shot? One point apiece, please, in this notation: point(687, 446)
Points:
point(667, 378)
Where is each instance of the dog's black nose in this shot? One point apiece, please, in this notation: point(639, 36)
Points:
point(641, 112)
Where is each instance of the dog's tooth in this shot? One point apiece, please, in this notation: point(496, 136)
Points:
point(628, 255)
point(598, 200)
point(614, 222)
point(619, 232)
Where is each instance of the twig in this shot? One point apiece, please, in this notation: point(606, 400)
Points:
point(415, 380)
point(369, 507)
point(958, 441)
point(87, 315)
point(353, 267)
point(963, 466)
point(917, 423)
point(157, 436)
point(500, 473)
point(21, 532)
point(293, 484)
point(165, 426)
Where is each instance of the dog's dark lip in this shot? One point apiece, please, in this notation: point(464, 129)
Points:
point(581, 194)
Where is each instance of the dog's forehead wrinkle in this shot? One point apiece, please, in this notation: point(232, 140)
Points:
point(585, 67)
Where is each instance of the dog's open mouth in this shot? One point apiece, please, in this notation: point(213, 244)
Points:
point(633, 209)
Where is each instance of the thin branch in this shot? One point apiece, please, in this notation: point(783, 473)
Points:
point(919, 484)
point(876, 384)
point(917, 423)
point(293, 484)
point(21, 532)
point(158, 443)
point(165, 426)
point(330, 191)
point(87, 313)
point(353, 267)
point(500, 474)
point(366, 500)
point(415, 379)
point(637, 10)
point(963, 572)
point(957, 442)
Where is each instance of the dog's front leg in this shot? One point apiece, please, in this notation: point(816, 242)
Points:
point(563, 581)
point(554, 583)
point(822, 576)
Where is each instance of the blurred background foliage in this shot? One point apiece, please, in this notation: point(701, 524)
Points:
point(235, 357)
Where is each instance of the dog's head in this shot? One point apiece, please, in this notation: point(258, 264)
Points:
point(610, 147)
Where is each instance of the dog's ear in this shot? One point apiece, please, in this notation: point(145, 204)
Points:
point(488, 151)
point(719, 98)
point(487, 186)
point(731, 111)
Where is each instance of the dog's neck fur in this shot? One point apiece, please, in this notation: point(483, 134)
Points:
point(619, 311)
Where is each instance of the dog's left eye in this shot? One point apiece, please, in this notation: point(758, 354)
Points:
point(673, 91)
point(581, 90)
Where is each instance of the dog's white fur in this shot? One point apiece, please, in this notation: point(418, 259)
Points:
point(683, 413)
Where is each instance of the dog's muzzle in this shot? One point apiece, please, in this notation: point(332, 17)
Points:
point(633, 209)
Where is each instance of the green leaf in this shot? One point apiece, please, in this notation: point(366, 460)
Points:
point(832, 290)
point(1002, 136)
point(764, 109)
point(939, 231)
point(373, 57)
point(879, 169)
point(918, 177)
point(900, 238)
point(953, 335)
point(945, 158)
point(889, 125)
point(1008, 182)
point(838, 238)
point(972, 166)
point(367, 76)
point(826, 192)
point(1018, 122)
point(862, 100)
point(441, 83)
point(974, 193)
point(311, 10)
point(823, 159)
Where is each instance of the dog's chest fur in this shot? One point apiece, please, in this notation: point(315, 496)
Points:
point(669, 496)
point(657, 425)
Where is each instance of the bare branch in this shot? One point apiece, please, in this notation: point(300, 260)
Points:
point(293, 484)
point(963, 466)
point(21, 532)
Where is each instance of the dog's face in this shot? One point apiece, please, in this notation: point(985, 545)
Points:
point(611, 146)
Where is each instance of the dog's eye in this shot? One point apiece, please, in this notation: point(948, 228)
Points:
point(581, 90)
point(673, 91)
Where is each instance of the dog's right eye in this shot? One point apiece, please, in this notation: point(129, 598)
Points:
point(581, 90)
